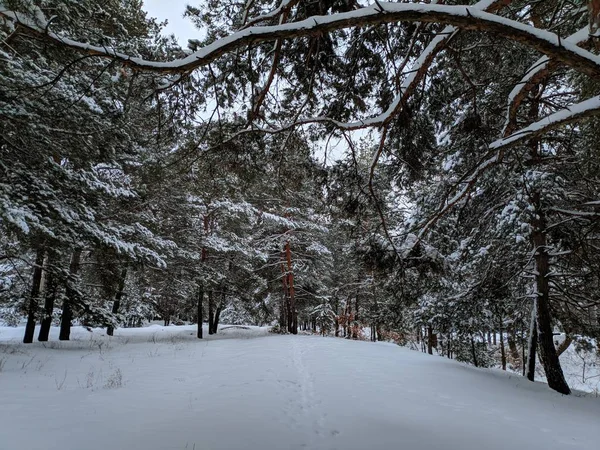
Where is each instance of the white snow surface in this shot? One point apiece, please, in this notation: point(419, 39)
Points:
point(260, 391)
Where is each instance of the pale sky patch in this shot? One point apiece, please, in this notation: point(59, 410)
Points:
point(172, 11)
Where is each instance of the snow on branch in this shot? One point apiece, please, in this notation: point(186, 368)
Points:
point(542, 68)
point(465, 17)
point(415, 76)
point(285, 5)
point(565, 116)
point(575, 112)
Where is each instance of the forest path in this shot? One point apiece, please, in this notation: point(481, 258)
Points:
point(162, 389)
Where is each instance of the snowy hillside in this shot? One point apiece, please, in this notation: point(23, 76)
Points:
point(160, 388)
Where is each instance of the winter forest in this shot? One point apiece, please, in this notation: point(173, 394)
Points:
point(417, 172)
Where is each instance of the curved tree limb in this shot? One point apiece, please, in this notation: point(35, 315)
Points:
point(464, 17)
point(538, 72)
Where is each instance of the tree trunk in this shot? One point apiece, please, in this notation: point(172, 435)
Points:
point(350, 320)
point(474, 352)
point(218, 315)
point(565, 345)
point(532, 344)
point(293, 314)
point(200, 312)
point(34, 297)
point(502, 350)
point(117, 302)
point(549, 357)
point(211, 312)
point(355, 327)
point(282, 318)
point(49, 298)
point(430, 340)
point(512, 348)
point(336, 320)
point(69, 300)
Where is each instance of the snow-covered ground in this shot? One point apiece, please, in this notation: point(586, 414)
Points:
point(160, 388)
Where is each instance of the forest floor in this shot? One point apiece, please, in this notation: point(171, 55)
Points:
point(160, 388)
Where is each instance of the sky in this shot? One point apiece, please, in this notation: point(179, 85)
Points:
point(172, 10)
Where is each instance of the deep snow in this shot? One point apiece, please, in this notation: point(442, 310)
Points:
point(160, 388)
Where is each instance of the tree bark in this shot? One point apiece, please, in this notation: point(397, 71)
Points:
point(512, 348)
point(502, 349)
point(218, 315)
point(211, 312)
point(69, 300)
point(474, 352)
point(34, 297)
point(532, 344)
point(117, 302)
point(293, 314)
point(355, 327)
point(548, 354)
point(282, 315)
point(565, 345)
point(49, 299)
point(430, 340)
point(200, 312)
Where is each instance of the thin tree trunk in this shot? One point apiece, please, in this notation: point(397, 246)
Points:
point(200, 312)
point(512, 348)
point(117, 302)
point(565, 345)
point(284, 312)
point(532, 344)
point(211, 312)
point(218, 315)
point(502, 349)
point(430, 340)
point(350, 320)
point(549, 357)
point(69, 300)
point(473, 352)
point(355, 328)
point(49, 298)
point(337, 319)
point(34, 297)
point(282, 318)
point(292, 293)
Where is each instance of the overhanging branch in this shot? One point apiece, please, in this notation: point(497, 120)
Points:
point(464, 17)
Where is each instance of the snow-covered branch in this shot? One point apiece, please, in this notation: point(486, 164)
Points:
point(575, 112)
point(565, 116)
point(464, 17)
point(542, 68)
